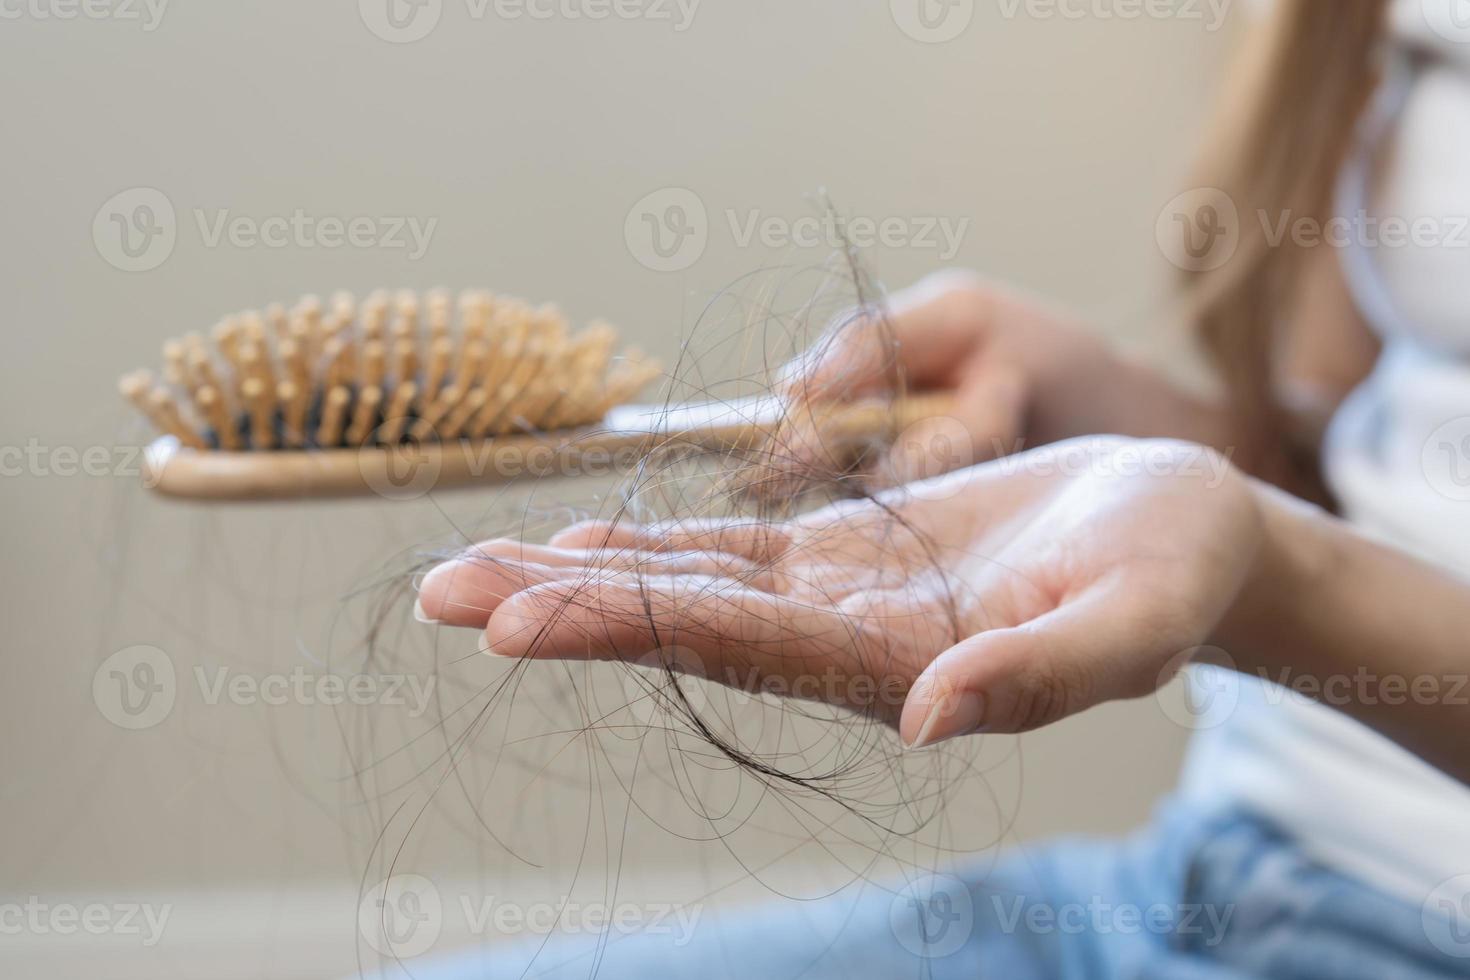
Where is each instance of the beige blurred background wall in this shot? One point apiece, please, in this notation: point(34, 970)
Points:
point(532, 149)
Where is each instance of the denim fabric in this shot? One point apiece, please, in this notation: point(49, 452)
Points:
point(1193, 897)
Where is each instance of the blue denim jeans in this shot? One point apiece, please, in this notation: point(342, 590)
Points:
point(1192, 897)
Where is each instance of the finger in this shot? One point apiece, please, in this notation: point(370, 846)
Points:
point(799, 455)
point(728, 627)
point(618, 557)
point(922, 333)
point(930, 337)
point(760, 542)
point(1089, 650)
point(466, 590)
point(985, 423)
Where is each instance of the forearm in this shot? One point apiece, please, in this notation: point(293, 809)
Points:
point(1095, 390)
point(1362, 627)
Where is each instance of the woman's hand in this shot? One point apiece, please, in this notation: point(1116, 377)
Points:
point(1000, 598)
point(1001, 355)
point(1021, 375)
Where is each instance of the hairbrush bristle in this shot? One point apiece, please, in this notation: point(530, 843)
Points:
point(343, 373)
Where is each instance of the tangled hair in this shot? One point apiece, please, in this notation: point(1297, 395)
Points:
point(724, 760)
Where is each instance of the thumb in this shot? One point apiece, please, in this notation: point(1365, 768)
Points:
point(919, 334)
point(1087, 651)
point(852, 357)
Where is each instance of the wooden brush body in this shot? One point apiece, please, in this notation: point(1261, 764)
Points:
point(403, 393)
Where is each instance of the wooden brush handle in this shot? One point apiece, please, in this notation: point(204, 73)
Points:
point(403, 472)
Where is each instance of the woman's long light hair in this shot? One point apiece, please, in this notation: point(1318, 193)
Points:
point(1295, 96)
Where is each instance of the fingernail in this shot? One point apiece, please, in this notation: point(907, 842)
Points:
point(438, 571)
point(445, 567)
point(421, 616)
point(952, 713)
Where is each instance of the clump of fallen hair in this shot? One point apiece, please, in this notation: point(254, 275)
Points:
point(742, 757)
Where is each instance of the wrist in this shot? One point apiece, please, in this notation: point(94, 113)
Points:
point(1289, 578)
point(1090, 386)
point(1073, 389)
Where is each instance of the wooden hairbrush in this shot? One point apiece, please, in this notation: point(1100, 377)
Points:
point(393, 396)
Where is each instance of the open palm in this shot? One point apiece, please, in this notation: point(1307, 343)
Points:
point(1001, 597)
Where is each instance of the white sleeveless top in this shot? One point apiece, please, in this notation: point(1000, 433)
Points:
point(1398, 457)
